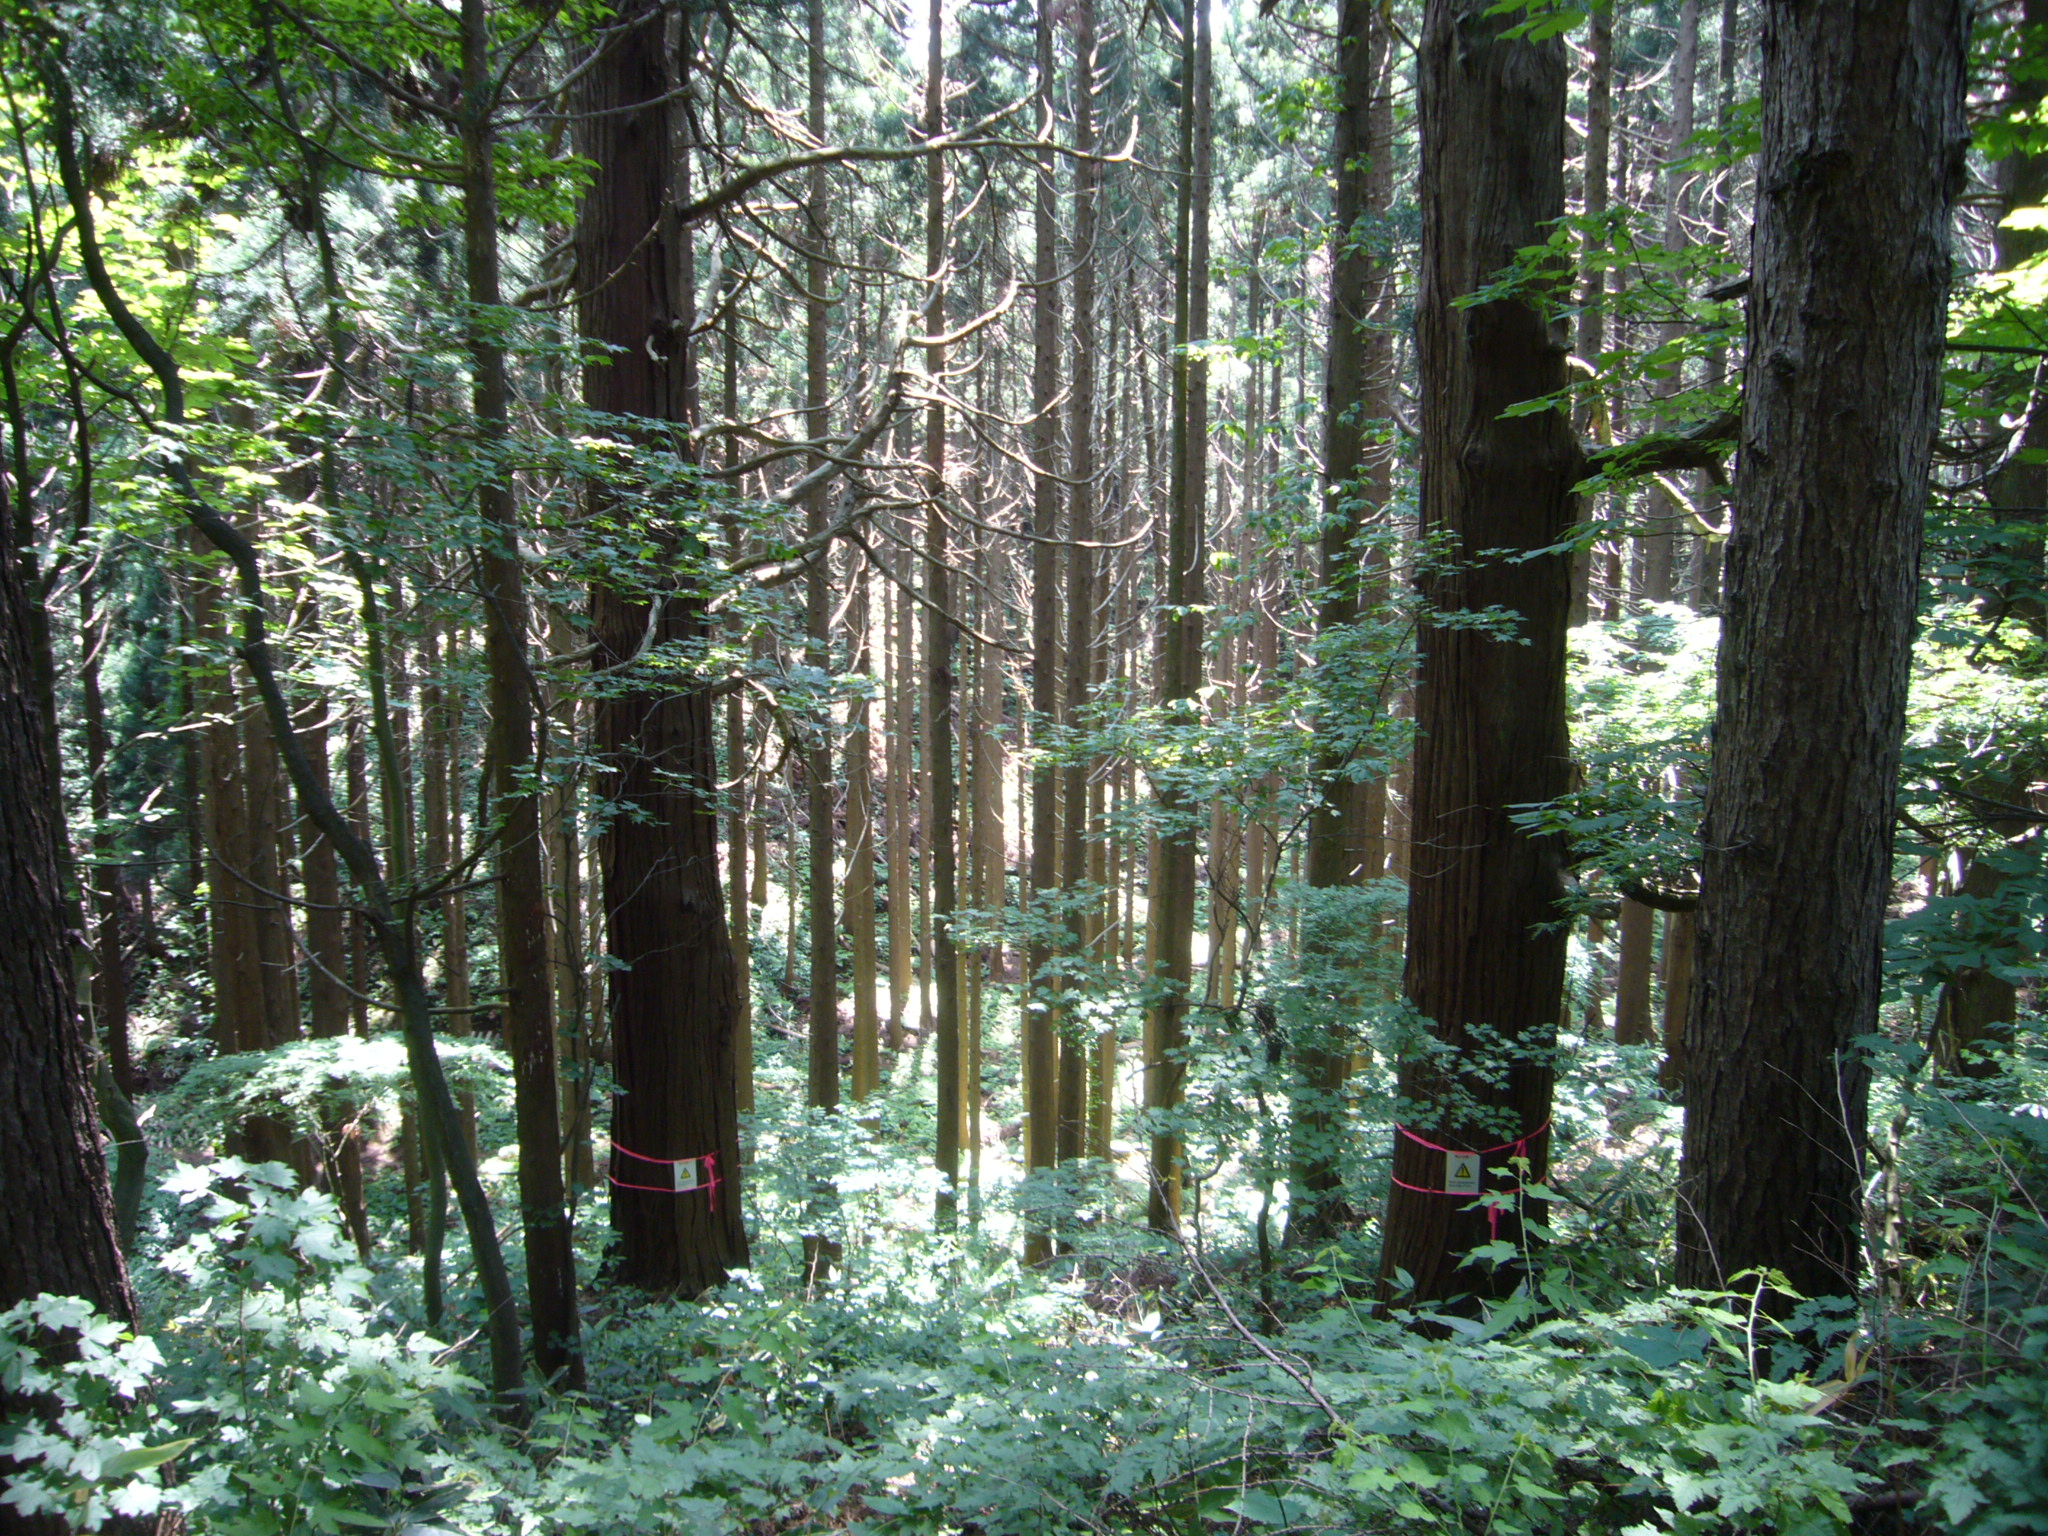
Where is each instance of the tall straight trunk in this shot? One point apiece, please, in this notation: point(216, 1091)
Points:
point(109, 972)
point(1356, 488)
point(944, 977)
point(1485, 951)
point(860, 855)
point(264, 874)
point(1680, 929)
point(673, 995)
point(1861, 159)
point(568, 946)
point(1592, 333)
point(326, 966)
point(522, 888)
point(739, 916)
point(899, 695)
point(57, 1229)
point(356, 782)
point(1171, 918)
point(326, 923)
point(1666, 526)
point(1041, 985)
point(1632, 981)
point(823, 1077)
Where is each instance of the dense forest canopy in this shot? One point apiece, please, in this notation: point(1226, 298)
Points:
point(1002, 767)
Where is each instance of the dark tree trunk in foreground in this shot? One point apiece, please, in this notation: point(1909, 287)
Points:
point(56, 1212)
point(674, 994)
point(1863, 139)
point(1486, 954)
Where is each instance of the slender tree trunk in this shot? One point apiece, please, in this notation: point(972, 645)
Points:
point(1042, 985)
point(860, 857)
point(824, 935)
point(902, 727)
point(1486, 955)
point(1592, 333)
point(1356, 487)
point(1861, 159)
point(939, 844)
point(1172, 907)
point(515, 806)
point(1667, 528)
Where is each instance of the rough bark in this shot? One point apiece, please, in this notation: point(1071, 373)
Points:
point(1861, 157)
point(1486, 956)
point(673, 997)
point(57, 1230)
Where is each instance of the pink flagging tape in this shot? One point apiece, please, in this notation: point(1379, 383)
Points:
point(709, 1184)
point(1519, 1146)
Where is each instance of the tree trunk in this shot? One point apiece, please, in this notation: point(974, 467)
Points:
point(57, 1230)
point(1042, 983)
point(1172, 908)
point(1666, 527)
point(1486, 953)
point(824, 936)
point(944, 976)
point(673, 997)
point(1862, 155)
point(1356, 486)
point(860, 856)
point(1592, 334)
point(515, 806)
point(1632, 984)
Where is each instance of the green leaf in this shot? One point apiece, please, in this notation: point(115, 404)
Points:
point(141, 1459)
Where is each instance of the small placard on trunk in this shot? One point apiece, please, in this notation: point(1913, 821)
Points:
point(1461, 1173)
point(688, 1173)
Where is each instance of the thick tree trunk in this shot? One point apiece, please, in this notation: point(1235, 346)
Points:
point(673, 999)
point(1862, 155)
point(1486, 954)
point(57, 1229)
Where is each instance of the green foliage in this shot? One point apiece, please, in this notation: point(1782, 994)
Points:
point(290, 1402)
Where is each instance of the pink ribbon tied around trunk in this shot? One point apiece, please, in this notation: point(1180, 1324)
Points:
point(1519, 1148)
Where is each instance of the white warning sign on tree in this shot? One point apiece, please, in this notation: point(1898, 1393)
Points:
point(1461, 1173)
point(688, 1173)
